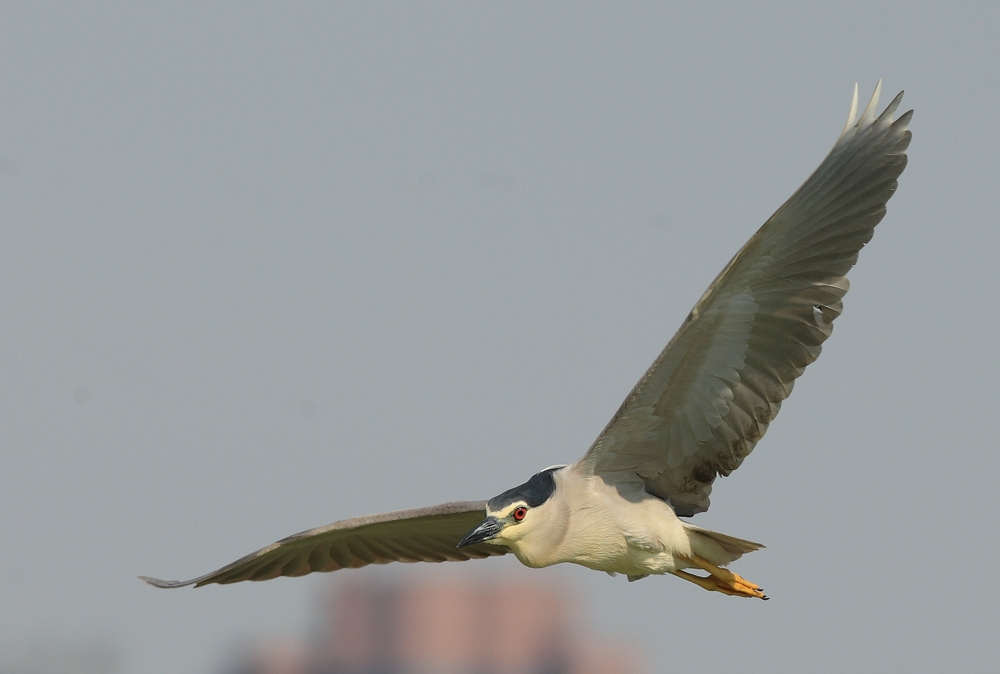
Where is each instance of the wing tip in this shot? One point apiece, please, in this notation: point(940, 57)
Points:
point(868, 115)
point(853, 112)
point(887, 115)
point(165, 584)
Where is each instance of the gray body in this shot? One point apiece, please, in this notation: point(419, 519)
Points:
point(697, 412)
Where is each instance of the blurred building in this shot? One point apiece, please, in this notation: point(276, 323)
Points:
point(446, 626)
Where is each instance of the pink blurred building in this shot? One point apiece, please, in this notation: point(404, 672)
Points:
point(447, 626)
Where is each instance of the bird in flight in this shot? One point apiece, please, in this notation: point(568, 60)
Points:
point(696, 413)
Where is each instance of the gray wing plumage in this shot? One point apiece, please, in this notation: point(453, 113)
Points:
point(419, 535)
point(708, 398)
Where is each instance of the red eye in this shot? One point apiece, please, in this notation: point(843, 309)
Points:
point(519, 513)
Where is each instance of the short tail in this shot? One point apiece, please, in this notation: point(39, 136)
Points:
point(718, 548)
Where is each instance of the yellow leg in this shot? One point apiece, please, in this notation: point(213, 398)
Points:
point(710, 583)
point(720, 580)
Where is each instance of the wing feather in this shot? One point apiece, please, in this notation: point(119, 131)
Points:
point(419, 535)
point(708, 398)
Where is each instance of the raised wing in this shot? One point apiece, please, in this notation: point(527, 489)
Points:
point(418, 535)
point(710, 395)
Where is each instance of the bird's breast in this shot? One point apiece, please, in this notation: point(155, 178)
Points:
point(607, 532)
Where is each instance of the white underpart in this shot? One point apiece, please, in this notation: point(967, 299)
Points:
point(612, 527)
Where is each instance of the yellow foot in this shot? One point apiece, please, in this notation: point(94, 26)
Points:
point(720, 580)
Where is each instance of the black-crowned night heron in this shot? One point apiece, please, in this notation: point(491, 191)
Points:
point(697, 412)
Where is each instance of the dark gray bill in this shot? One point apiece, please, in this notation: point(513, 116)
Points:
point(486, 530)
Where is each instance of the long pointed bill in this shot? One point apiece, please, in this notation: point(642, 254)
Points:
point(486, 530)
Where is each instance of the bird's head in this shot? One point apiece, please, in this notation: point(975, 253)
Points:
point(522, 518)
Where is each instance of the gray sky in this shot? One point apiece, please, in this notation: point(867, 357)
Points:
point(262, 269)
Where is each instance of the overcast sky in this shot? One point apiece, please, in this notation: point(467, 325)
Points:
point(265, 268)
